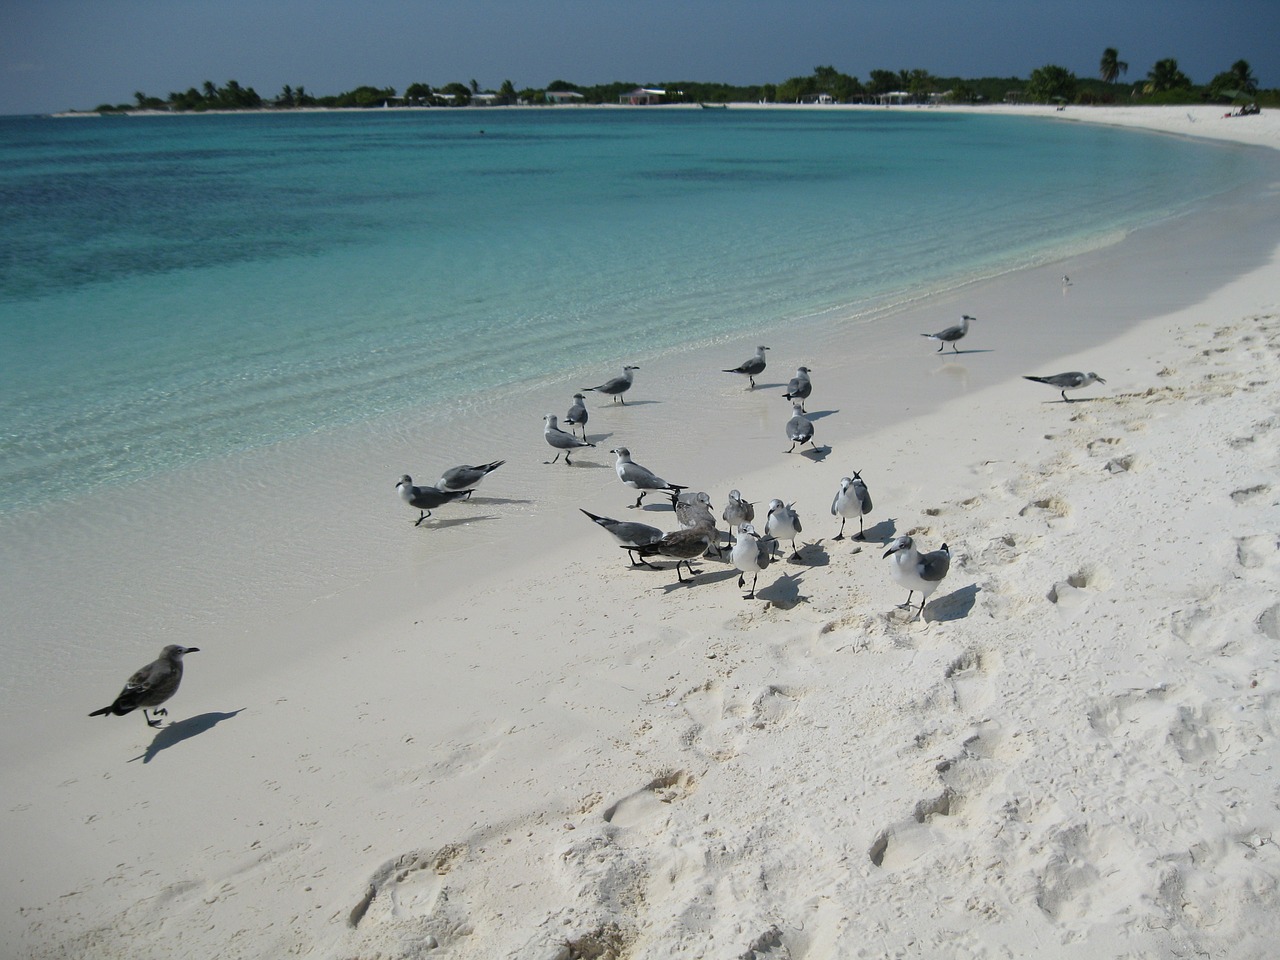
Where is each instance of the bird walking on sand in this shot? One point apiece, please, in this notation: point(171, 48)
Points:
point(424, 498)
point(641, 478)
point(466, 478)
point(852, 500)
point(750, 368)
point(577, 415)
point(1075, 380)
point(917, 571)
point(151, 686)
point(562, 442)
point(799, 387)
point(951, 334)
point(617, 386)
point(783, 523)
point(629, 535)
point(750, 554)
point(737, 512)
point(799, 427)
point(681, 546)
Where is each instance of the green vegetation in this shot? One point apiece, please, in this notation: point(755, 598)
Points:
point(1051, 83)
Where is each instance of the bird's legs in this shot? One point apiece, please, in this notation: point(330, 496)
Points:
point(425, 514)
point(638, 499)
point(150, 721)
point(553, 460)
point(637, 560)
point(861, 533)
point(742, 581)
point(840, 535)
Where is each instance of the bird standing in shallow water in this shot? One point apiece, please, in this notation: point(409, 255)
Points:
point(151, 686)
point(424, 498)
point(1075, 380)
point(752, 367)
point(917, 571)
point(951, 334)
point(852, 499)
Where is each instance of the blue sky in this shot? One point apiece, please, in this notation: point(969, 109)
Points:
point(60, 54)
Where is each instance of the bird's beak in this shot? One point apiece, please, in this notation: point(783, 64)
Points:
point(1100, 380)
point(192, 650)
point(889, 551)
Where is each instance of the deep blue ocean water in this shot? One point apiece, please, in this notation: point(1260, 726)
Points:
point(179, 288)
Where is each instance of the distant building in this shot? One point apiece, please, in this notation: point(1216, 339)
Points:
point(642, 96)
point(824, 99)
point(564, 96)
point(898, 97)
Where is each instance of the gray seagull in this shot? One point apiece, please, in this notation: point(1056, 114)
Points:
point(466, 478)
point(1075, 380)
point(799, 387)
point(917, 571)
point(799, 427)
point(951, 334)
point(424, 498)
point(577, 415)
point(752, 367)
point(642, 478)
point(618, 385)
point(563, 442)
point(151, 686)
point(629, 535)
point(750, 554)
point(852, 500)
point(682, 546)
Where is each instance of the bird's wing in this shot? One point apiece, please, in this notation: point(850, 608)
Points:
point(934, 566)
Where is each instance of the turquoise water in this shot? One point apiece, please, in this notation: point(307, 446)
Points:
point(179, 288)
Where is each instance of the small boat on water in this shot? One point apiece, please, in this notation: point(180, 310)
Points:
point(714, 106)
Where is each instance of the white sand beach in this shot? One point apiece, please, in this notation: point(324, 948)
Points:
point(490, 736)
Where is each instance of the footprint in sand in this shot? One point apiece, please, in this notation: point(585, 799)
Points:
point(650, 802)
point(1075, 590)
point(1256, 551)
point(1250, 494)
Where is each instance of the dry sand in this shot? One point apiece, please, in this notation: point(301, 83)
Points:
point(488, 737)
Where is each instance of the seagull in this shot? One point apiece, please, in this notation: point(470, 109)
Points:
point(577, 415)
point(852, 499)
point(629, 535)
point(751, 367)
point(151, 686)
point(681, 546)
point(783, 523)
point(618, 385)
point(799, 427)
point(1074, 380)
point(466, 478)
point(694, 510)
point(737, 512)
point(642, 478)
point(563, 442)
point(799, 387)
point(424, 498)
point(750, 555)
point(951, 334)
point(1066, 281)
point(916, 572)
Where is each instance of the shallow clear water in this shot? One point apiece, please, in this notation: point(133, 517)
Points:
point(178, 288)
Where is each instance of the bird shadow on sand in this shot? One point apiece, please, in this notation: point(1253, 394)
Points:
point(956, 605)
point(629, 403)
point(496, 500)
point(583, 464)
point(881, 533)
point(599, 438)
point(784, 593)
point(763, 386)
point(435, 524)
point(819, 414)
point(1071, 403)
point(174, 733)
point(961, 353)
point(816, 454)
point(811, 555)
point(702, 577)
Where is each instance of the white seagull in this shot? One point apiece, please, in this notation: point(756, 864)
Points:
point(466, 478)
point(617, 386)
point(852, 500)
point(783, 523)
point(750, 554)
point(918, 572)
point(641, 478)
point(750, 368)
point(563, 442)
point(424, 498)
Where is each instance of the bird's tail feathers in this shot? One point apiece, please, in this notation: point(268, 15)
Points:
point(1036, 379)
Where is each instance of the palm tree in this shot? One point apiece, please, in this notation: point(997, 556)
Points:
point(1244, 79)
point(1165, 75)
point(1111, 66)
